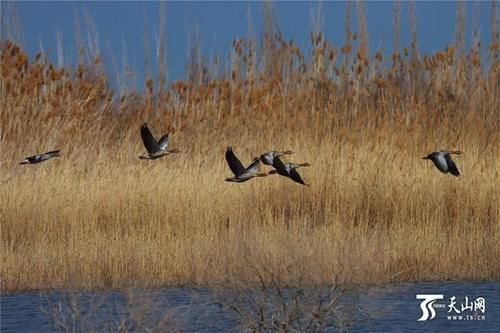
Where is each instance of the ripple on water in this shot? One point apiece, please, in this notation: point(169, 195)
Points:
point(390, 308)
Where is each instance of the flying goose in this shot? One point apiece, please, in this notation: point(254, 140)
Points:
point(40, 157)
point(242, 174)
point(155, 149)
point(442, 160)
point(288, 170)
point(267, 158)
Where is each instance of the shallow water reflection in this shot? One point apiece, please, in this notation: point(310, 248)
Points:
point(375, 309)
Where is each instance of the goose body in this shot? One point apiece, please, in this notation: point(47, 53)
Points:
point(41, 157)
point(268, 158)
point(443, 161)
point(288, 170)
point(242, 174)
point(155, 149)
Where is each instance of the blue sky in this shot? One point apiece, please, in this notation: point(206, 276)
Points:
point(219, 22)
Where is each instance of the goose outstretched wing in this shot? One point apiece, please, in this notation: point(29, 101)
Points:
point(254, 166)
point(279, 166)
point(234, 163)
point(267, 158)
point(163, 142)
point(452, 168)
point(149, 140)
point(294, 175)
point(52, 152)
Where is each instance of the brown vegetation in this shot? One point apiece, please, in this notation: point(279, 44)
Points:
point(98, 217)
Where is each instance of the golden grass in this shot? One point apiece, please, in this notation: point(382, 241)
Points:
point(376, 212)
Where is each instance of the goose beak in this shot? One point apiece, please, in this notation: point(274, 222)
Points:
point(425, 158)
point(24, 162)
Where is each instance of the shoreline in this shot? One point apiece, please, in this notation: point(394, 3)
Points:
point(230, 287)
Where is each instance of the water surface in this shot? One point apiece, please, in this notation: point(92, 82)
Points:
point(389, 308)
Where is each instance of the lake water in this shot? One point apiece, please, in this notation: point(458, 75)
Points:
point(390, 308)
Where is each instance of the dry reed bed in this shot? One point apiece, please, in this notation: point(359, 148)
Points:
point(98, 217)
point(374, 212)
